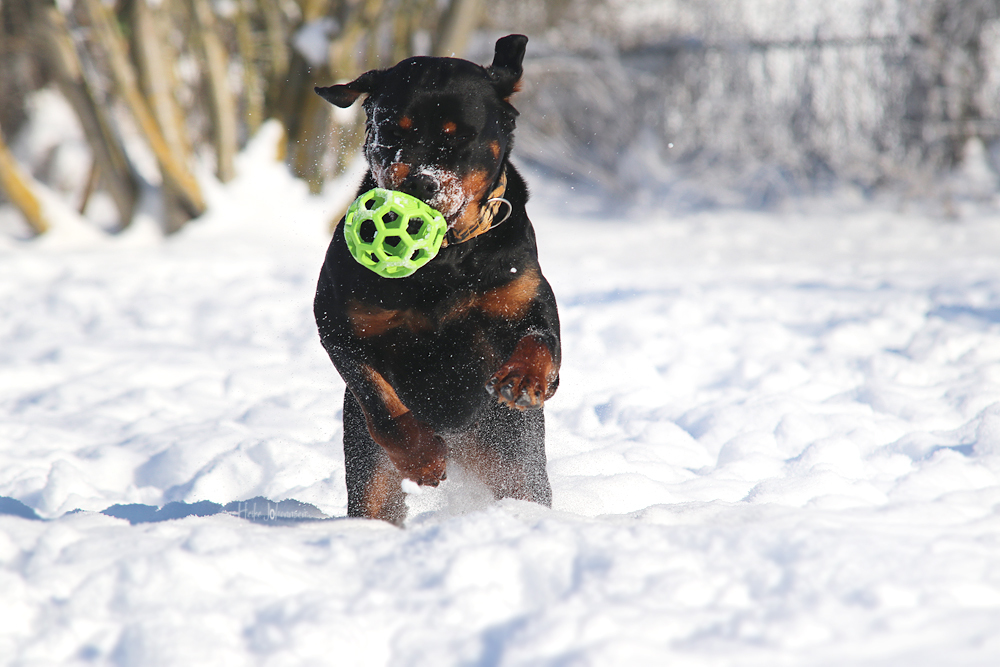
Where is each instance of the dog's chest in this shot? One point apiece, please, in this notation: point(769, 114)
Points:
point(433, 313)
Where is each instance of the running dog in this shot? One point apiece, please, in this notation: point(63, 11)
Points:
point(456, 360)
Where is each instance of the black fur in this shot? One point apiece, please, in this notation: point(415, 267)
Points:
point(457, 358)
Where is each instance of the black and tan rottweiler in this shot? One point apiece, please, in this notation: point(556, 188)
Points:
point(456, 360)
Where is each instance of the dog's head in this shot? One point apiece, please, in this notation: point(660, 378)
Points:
point(440, 128)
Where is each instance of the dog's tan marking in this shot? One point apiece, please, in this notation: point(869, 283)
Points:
point(495, 149)
point(477, 218)
point(397, 172)
point(470, 219)
point(386, 393)
point(367, 321)
point(512, 301)
point(518, 86)
point(528, 378)
point(449, 127)
point(535, 356)
point(406, 122)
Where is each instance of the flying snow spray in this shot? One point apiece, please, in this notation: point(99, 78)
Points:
point(393, 233)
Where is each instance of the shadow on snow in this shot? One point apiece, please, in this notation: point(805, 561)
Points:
point(256, 510)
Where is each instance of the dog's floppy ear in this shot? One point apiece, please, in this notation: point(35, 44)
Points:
point(345, 94)
point(506, 68)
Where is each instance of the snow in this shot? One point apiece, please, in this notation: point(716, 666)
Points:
point(776, 441)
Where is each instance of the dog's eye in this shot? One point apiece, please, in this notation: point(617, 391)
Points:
point(399, 129)
point(456, 133)
point(402, 127)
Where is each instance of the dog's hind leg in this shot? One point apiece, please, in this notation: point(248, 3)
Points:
point(509, 454)
point(373, 483)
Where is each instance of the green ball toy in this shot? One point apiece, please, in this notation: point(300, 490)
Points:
point(393, 233)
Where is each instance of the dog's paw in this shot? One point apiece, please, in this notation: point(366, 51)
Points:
point(421, 456)
point(528, 378)
point(518, 389)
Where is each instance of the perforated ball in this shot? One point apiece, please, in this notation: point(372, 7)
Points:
point(393, 233)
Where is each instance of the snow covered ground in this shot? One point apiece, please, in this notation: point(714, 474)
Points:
point(776, 442)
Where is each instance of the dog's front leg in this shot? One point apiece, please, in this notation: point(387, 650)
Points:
point(530, 376)
point(411, 445)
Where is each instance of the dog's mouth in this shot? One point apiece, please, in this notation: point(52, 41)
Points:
point(439, 188)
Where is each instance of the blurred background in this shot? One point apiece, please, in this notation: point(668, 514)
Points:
point(683, 104)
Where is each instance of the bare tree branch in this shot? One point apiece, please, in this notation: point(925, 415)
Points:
point(222, 106)
point(17, 184)
point(113, 44)
point(457, 24)
point(109, 155)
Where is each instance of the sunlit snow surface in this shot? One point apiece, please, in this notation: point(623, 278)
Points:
point(776, 442)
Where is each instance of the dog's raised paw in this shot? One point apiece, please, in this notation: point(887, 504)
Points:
point(528, 377)
point(516, 388)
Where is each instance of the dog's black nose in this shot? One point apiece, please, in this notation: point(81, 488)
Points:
point(421, 186)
